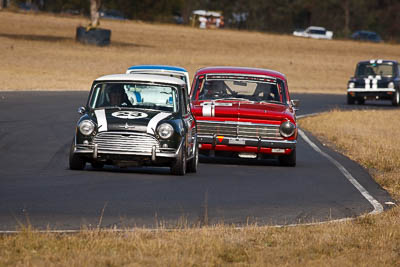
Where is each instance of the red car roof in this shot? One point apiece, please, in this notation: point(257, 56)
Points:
point(241, 70)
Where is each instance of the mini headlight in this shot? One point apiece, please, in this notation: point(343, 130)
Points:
point(287, 129)
point(391, 85)
point(86, 127)
point(165, 130)
point(351, 85)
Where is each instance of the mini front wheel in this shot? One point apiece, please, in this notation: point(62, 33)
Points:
point(192, 164)
point(178, 166)
point(97, 165)
point(396, 99)
point(350, 100)
point(76, 162)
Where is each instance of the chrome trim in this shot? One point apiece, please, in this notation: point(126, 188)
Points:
point(153, 153)
point(121, 143)
point(165, 154)
point(255, 139)
point(239, 122)
point(258, 142)
point(95, 151)
point(239, 129)
point(245, 75)
point(126, 142)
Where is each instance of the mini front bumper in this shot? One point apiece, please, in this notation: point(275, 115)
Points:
point(255, 145)
point(371, 90)
point(94, 152)
point(380, 93)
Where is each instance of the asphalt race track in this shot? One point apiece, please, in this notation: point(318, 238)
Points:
point(37, 188)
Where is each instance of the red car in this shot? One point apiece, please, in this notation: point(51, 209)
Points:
point(245, 111)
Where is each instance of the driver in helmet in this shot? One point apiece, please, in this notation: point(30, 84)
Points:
point(117, 96)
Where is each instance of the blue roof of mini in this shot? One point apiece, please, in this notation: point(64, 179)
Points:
point(157, 67)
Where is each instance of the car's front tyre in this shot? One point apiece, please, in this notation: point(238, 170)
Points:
point(178, 166)
point(97, 165)
point(192, 164)
point(76, 162)
point(350, 100)
point(288, 160)
point(396, 99)
point(361, 101)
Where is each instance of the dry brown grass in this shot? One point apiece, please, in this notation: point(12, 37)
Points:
point(369, 241)
point(370, 137)
point(39, 52)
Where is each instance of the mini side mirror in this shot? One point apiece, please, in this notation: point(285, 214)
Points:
point(82, 110)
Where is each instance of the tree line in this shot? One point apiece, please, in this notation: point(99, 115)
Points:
point(279, 16)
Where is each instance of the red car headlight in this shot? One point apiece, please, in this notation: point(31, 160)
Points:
point(287, 129)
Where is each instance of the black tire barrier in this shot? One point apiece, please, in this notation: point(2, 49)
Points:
point(99, 37)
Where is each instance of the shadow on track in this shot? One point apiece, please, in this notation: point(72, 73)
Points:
point(219, 160)
point(52, 38)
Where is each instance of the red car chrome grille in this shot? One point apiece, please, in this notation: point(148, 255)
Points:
point(239, 129)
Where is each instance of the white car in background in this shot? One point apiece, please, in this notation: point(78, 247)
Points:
point(164, 70)
point(314, 32)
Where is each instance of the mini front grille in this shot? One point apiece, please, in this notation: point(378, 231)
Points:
point(126, 142)
point(239, 129)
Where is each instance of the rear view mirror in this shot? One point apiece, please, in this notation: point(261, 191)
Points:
point(81, 110)
point(240, 83)
point(295, 103)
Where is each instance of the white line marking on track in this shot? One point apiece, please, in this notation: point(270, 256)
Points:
point(378, 208)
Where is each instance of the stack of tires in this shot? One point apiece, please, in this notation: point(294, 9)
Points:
point(99, 37)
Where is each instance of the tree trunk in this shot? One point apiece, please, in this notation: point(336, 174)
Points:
point(94, 13)
point(346, 7)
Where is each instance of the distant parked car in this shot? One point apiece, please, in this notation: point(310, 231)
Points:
point(165, 70)
point(373, 80)
point(245, 112)
point(134, 120)
point(314, 32)
point(112, 14)
point(366, 36)
point(28, 7)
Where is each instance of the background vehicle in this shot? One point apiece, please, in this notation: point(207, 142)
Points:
point(112, 14)
point(205, 19)
point(245, 112)
point(314, 32)
point(132, 120)
point(366, 36)
point(172, 71)
point(373, 80)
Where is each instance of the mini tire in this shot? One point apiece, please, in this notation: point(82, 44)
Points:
point(193, 163)
point(178, 166)
point(288, 160)
point(396, 99)
point(76, 162)
point(350, 100)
